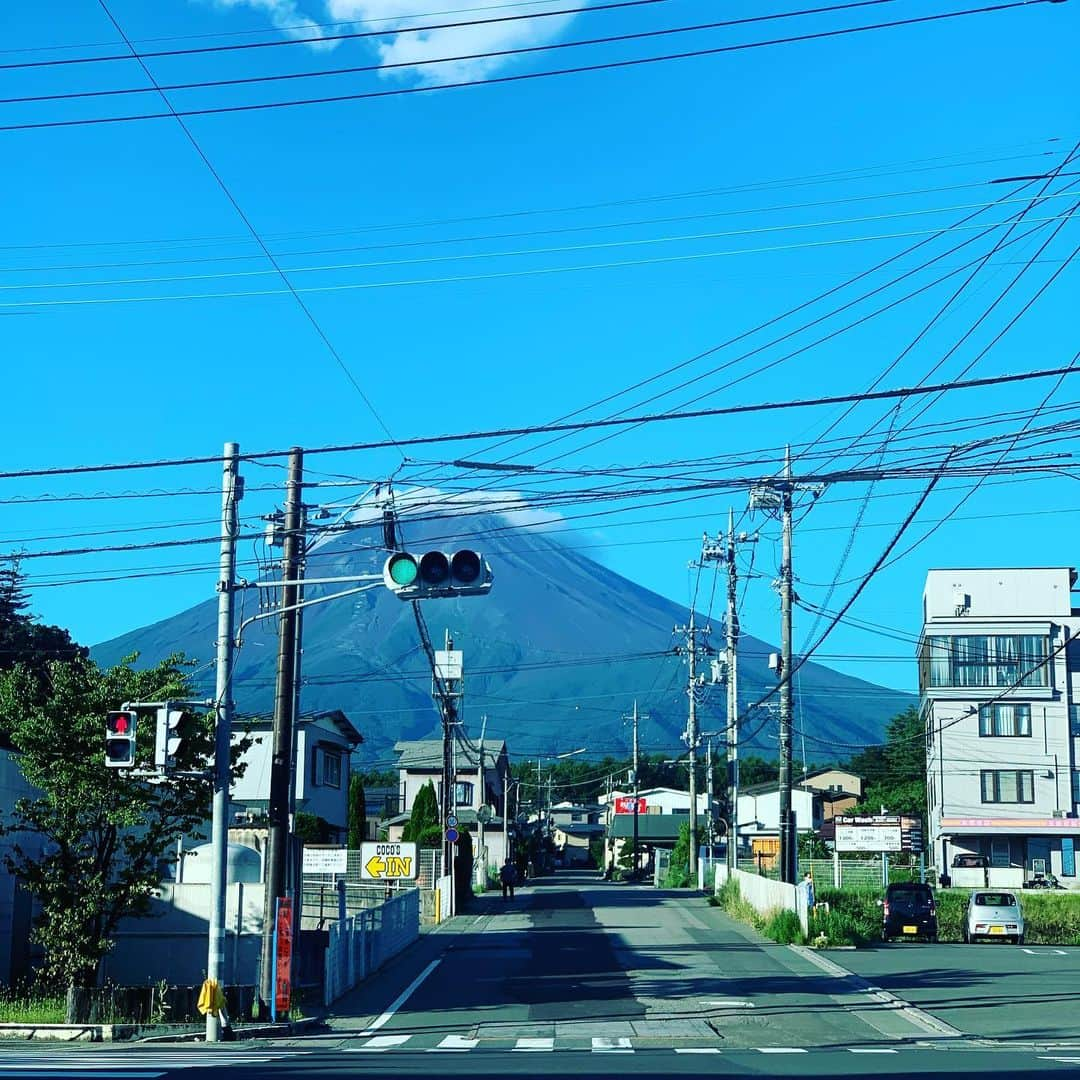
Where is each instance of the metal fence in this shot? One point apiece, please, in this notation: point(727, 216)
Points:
point(365, 941)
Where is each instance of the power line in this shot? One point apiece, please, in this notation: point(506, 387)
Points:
point(247, 46)
point(612, 65)
point(248, 224)
point(583, 425)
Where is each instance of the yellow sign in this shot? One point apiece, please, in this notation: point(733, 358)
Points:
point(388, 861)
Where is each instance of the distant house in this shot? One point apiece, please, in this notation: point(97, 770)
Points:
point(481, 772)
point(574, 827)
point(841, 790)
point(324, 741)
point(759, 816)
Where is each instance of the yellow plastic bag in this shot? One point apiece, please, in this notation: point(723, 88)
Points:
point(211, 998)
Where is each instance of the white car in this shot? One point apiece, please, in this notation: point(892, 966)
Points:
point(993, 913)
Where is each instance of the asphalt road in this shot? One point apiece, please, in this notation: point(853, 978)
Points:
point(994, 990)
point(578, 977)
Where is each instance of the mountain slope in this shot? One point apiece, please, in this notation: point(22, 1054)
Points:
point(554, 656)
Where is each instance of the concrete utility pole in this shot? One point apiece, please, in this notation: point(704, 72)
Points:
point(282, 762)
point(709, 797)
point(726, 552)
point(481, 791)
point(447, 706)
point(788, 851)
point(777, 496)
point(691, 736)
point(636, 866)
point(231, 491)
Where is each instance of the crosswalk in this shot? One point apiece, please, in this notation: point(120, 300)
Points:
point(133, 1063)
point(546, 1044)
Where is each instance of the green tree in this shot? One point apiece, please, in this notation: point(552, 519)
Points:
point(357, 811)
point(105, 832)
point(895, 772)
point(678, 875)
point(311, 829)
point(423, 825)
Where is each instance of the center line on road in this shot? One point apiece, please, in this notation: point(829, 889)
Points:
point(401, 999)
point(697, 1050)
point(533, 1046)
point(870, 1050)
point(780, 1050)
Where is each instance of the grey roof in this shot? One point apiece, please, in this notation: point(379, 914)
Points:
point(335, 716)
point(427, 753)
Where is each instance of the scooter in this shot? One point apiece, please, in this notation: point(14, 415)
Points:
point(1044, 881)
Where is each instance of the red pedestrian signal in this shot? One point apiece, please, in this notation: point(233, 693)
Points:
point(120, 726)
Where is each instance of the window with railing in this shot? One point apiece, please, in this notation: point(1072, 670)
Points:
point(1008, 786)
point(986, 660)
point(1004, 719)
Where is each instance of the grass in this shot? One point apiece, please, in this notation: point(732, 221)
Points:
point(780, 926)
point(30, 1008)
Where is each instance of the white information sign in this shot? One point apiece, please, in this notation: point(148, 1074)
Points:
point(388, 862)
point(869, 834)
point(325, 860)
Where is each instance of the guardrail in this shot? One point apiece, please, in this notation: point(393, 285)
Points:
point(365, 941)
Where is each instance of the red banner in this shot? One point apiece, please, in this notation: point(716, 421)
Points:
point(625, 805)
point(283, 974)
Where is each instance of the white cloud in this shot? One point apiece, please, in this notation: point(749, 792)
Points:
point(285, 15)
point(410, 49)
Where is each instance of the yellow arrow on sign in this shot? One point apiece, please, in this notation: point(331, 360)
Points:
point(375, 866)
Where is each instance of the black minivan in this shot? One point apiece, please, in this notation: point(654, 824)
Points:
point(909, 911)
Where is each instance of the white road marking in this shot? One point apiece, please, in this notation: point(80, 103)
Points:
point(730, 1004)
point(380, 1043)
point(455, 1042)
point(534, 1046)
point(68, 1074)
point(612, 1046)
point(401, 999)
point(696, 1050)
point(1065, 1061)
point(780, 1050)
point(869, 1050)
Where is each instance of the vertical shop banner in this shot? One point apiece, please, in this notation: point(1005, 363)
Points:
point(283, 940)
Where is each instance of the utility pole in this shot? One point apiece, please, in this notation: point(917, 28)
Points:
point(506, 814)
point(709, 797)
point(481, 791)
point(691, 736)
point(282, 762)
point(788, 850)
point(725, 550)
point(447, 690)
point(231, 490)
point(776, 497)
point(636, 867)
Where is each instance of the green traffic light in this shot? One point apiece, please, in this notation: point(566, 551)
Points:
point(403, 570)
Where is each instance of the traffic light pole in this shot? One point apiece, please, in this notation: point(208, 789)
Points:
point(219, 828)
point(282, 764)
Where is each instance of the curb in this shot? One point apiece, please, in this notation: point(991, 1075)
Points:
point(284, 1030)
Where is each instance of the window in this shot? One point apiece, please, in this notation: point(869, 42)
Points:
point(976, 660)
point(1008, 786)
point(575, 817)
point(1074, 719)
point(999, 851)
point(1004, 720)
point(328, 767)
point(1076, 786)
point(463, 792)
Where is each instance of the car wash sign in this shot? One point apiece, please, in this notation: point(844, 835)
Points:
point(869, 835)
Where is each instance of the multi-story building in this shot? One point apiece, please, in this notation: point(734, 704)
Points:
point(997, 664)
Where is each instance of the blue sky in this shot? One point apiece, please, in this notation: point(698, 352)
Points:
point(466, 239)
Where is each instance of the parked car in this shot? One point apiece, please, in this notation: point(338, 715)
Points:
point(994, 914)
point(909, 910)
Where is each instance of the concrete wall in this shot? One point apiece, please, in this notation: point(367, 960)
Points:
point(172, 943)
point(15, 902)
point(766, 896)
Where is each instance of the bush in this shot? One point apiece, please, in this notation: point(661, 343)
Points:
point(784, 927)
point(1049, 918)
point(854, 916)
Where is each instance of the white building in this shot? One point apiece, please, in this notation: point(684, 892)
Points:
point(996, 674)
point(323, 743)
point(759, 811)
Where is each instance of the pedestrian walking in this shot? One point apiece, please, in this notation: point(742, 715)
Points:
point(508, 878)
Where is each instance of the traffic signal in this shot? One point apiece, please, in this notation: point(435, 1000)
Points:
point(174, 724)
point(437, 573)
point(120, 739)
